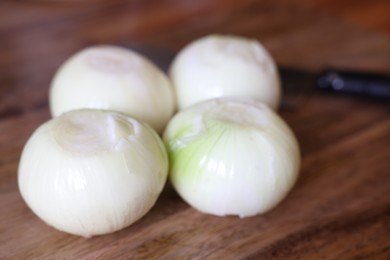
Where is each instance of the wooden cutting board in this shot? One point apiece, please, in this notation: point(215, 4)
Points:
point(340, 206)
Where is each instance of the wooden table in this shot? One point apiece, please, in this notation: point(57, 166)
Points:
point(340, 207)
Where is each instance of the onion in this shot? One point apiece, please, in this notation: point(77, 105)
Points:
point(231, 157)
point(91, 172)
point(113, 78)
point(225, 66)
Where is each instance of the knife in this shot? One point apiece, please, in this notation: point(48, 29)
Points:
point(297, 82)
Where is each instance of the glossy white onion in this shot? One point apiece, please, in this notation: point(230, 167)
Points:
point(231, 157)
point(91, 172)
point(113, 78)
point(225, 66)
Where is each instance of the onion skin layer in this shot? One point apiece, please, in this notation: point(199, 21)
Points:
point(231, 157)
point(90, 172)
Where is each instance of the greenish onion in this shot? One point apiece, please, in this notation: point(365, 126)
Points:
point(231, 157)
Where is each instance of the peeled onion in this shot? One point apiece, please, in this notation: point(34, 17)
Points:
point(113, 78)
point(91, 172)
point(231, 157)
point(225, 66)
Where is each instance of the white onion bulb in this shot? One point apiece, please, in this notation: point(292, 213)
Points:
point(231, 157)
point(225, 66)
point(91, 172)
point(113, 78)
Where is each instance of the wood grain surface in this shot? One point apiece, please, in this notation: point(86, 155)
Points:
point(340, 207)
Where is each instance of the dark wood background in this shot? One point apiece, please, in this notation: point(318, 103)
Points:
point(340, 207)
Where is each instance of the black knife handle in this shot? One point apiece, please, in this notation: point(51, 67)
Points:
point(363, 84)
